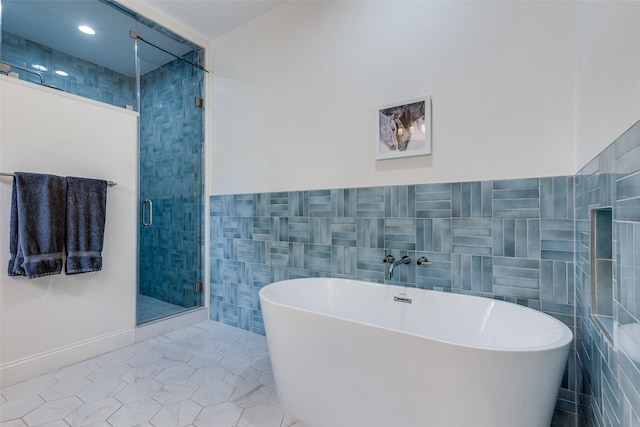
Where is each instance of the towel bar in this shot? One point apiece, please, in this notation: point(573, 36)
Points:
point(109, 183)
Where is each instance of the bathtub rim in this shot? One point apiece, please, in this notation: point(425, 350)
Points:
point(564, 341)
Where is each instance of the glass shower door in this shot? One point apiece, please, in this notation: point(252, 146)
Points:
point(170, 271)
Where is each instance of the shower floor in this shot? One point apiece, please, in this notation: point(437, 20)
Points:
point(150, 309)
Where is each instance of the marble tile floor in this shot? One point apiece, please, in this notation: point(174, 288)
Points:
point(208, 374)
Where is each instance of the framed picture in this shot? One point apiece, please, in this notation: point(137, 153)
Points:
point(404, 129)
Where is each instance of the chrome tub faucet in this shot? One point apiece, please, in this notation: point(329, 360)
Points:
point(393, 263)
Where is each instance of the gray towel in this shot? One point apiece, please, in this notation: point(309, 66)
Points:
point(86, 214)
point(37, 225)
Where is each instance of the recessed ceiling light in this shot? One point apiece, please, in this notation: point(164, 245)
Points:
point(87, 30)
point(39, 67)
point(61, 73)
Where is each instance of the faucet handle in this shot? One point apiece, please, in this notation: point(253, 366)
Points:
point(423, 261)
point(389, 258)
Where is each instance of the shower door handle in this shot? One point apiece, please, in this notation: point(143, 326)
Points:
point(145, 222)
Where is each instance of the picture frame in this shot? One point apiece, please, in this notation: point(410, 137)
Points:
point(404, 129)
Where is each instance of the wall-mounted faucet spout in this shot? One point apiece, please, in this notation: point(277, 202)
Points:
point(392, 263)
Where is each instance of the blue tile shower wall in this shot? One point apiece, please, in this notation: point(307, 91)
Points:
point(608, 382)
point(85, 79)
point(171, 175)
point(507, 239)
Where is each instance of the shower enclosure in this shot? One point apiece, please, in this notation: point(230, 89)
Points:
point(171, 184)
point(130, 62)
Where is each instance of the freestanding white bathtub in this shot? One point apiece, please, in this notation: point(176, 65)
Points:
point(346, 354)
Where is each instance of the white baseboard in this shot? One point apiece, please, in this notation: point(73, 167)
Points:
point(42, 363)
point(164, 326)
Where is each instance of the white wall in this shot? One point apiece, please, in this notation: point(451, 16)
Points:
point(296, 92)
point(608, 74)
point(54, 321)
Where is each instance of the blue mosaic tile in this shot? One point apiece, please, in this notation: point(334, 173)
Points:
point(603, 245)
point(370, 265)
point(433, 201)
point(299, 273)
point(279, 273)
point(244, 250)
point(370, 202)
point(628, 210)
point(299, 256)
point(556, 281)
point(629, 377)
point(556, 198)
point(607, 176)
point(320, 203)
point(261, 228)
point(229, 249)
point(230, 290)
point(279, 229)
point(216, 206)
point(244, 205)
point(436, 275)
point(298, 203)
point(245, 318)
point(517, 198)
point(237, 228)
point(557, 239)
point(320, 231)
point(228, 203)
point(343, 202)
point(628, 263)
point(261, 204)
point(627, 152)
point(261, 275)
point(229, 314)
point(278, 254)
point(345, 260)
point(370, 233)
point(260, 251)
point(299, 230)
point(628, 196)
point(343, 232)
point(400, 201)
point(215, 310)
point(320, 258)
point(217, 248)
point(516, 238)
point(279, 204)
point(626, 143)
point(471, 236)
point(400, 233)
point(472, 199)
point(516, 277)
point(472, 273)
point(433, 235)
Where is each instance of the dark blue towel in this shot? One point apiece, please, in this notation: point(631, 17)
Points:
point(37, 226)
point(86, 214)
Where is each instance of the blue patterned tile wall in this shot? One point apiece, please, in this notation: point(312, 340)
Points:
point(507, 239)
point(85, 79)
point(608, 382)
point(171, 176)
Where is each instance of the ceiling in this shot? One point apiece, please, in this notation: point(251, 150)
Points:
point(54, 23)
point(212, 18)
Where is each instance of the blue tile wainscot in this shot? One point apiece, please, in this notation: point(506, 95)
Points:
point(510, 239)
point(608, 376)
